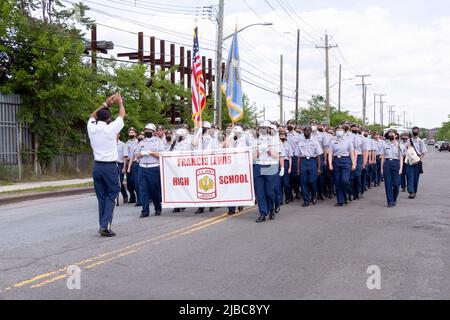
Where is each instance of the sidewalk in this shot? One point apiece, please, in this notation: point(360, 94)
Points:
point(40, 184)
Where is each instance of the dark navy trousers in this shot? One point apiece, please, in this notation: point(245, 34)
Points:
point(150, 189)
point(135, 172)
point(341, 176)
point(284, 184)
point(391, 180)
point(123, 191)
point(413, 176)
point(264, 183)
point(308, 179)
point(107, 187)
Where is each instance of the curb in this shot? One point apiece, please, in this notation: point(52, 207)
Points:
point(43, 195)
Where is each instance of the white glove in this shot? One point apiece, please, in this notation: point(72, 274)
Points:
point(282, 172)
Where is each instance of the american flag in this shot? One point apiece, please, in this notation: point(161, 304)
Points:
point(198, 84)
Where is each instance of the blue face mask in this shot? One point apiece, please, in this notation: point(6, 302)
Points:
point(339, 134)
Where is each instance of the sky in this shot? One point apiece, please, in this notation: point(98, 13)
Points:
point(403, 45)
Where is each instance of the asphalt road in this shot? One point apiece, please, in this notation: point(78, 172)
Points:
point(319, 252)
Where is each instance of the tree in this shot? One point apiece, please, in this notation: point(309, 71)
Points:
point(43, 62)
point(316, 110)
point(443, 133)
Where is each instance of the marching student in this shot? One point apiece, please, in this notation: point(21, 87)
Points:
point(392, 166)
point(417, 169)
point(147, 153)
point(236, 140)
point(342, 160)
point(103, 133)
point(286, 157)
point(265, 171)
point(309, 166)
point(122, 170)
point(130, 147)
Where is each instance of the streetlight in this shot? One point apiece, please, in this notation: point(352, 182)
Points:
point(218, 93)
point(250, 25)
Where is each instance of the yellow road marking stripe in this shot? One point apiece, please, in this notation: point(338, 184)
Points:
point(171, 235)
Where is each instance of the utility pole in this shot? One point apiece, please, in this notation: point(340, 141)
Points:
point(374, 108)
point(381, 107)
point(364, 87)
point(391, 119)
point(404, 119)
point(281, 89)
point(340, 83)
point(297, 80)
point(218, 78)
point(327, 48)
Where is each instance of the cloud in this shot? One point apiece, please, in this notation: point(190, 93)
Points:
point(408, 59)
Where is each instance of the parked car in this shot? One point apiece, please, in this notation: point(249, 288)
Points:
point(431, 142)
point(444, 147)
point(438, 144)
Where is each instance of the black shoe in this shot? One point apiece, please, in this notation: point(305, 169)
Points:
point(272, 216)
point(321, 197)
point(240, 209)
point(403, 189)
point(288, 201)
point(138, 205)
point(338, 205)
point(261, 219)
point(304, 205)
point(176, 210)
point(390, 205)
point(414, 195)
point(411, 196)
point(231, 213)
point(212, 209)
point(125, 200)
point(277, 210)
point(394, 204)
point(157, 213)
point(144, 215)
point(297, 196)
point(199, 211)
point(314, 202)
point(132, 201)
point(106, 233)
point(182, 209)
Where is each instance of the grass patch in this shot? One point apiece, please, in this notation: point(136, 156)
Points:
point(48, 189)
point(5, 183)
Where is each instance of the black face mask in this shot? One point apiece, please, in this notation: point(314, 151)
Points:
point(366, 135)
point(415, 134)
point(180, 139)
point(204, 130)
point(355, 131)
point(404, 140)
point(391, 138)
point(148, 134)
point(283, 140)
point(320, 129)
point(131, 137)
point(235, 138)
point(290, 128)
point(169, 138)
point(307, 135)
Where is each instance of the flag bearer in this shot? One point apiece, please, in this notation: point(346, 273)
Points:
point(309, 164)
point(103, 133)
point(342, 159)
point(149, 175)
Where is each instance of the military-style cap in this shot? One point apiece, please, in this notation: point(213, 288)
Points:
point(345, 122)
point(159, 127)
point(339, 127)
point(313, 121)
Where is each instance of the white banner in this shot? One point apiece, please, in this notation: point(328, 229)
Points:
point(216, 178)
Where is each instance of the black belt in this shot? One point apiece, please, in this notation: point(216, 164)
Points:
point(115, 162)
point(309, 158)
point(391, 159)
point(339, 157)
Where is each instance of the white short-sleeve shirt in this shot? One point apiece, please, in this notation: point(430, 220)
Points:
point(103, 138)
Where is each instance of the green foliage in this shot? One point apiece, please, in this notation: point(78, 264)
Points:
point(443, 133)
point(317, 110)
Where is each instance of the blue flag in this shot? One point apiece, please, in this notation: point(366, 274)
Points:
point(231, 85)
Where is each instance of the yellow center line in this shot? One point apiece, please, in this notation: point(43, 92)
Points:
point(97, 260)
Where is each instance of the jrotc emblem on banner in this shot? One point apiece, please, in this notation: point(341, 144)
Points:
point(206, 184)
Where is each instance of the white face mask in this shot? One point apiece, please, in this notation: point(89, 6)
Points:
point(339, 134)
